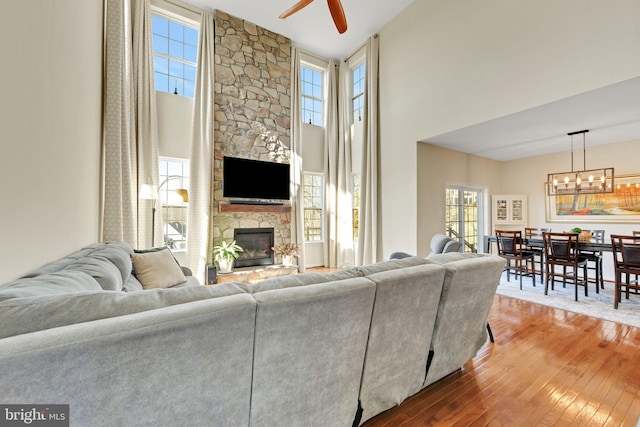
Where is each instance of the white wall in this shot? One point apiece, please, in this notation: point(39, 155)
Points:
point(50, 116)
point(175, 120)
point(445, 65)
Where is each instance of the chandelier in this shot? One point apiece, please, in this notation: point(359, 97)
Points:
point(585, 181)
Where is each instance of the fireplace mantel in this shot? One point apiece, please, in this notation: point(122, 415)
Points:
point(228, 207)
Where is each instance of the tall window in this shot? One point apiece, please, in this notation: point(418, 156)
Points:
point(174, 177)
point(175, 48)
point(312, 95)
point(358, 92)
point(463, 216)
point(313, 189)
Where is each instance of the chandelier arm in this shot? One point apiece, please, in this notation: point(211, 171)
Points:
point(584, 153)
point(571, 153)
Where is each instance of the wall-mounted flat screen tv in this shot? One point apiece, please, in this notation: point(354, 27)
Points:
point(255, 179)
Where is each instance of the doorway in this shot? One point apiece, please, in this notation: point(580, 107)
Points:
point(464, 216)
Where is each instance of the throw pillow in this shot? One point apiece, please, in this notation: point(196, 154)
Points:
point(157, 269)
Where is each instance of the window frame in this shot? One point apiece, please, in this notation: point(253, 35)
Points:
point(165, 187)
point(360, 95)
point(321, 209)
point(313, 99)
point(186, 23)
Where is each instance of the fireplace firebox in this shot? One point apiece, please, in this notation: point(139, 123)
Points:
point(256, 244)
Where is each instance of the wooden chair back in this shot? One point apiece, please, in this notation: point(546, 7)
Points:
point(561, 248)
point(535, 233)
point(509, 243)
point(626, 253)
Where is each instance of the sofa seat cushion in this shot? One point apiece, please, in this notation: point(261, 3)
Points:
point(157, 269)
point(62, 282)
point(30, 314)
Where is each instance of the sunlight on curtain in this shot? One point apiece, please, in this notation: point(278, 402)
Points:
point(201, 153)
point(368, 234)
point(339, 234)
point(297, 213)
point(130, 141)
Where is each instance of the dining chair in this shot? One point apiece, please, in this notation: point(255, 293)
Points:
point(594, 259)
point(510, 248)
point(536, 233)
point(626, 260)
point(561, 250)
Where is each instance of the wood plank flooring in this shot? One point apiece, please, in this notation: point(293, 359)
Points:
point(548, 367)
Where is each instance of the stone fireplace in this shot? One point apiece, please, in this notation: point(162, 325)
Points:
point(257, 244)
point(253, 85)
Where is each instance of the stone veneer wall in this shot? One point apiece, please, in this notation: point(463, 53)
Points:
point(252, 84)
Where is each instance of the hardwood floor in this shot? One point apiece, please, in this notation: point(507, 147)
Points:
point(547, 367)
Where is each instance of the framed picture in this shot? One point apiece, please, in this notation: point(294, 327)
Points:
point(623, 205)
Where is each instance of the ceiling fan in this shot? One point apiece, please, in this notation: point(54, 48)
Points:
point(335, 7)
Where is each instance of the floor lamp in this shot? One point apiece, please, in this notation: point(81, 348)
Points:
point(150, 192)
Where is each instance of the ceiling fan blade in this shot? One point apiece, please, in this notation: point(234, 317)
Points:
point(337, 13)
point(295, 8)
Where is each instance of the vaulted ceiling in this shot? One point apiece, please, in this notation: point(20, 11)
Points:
point(612, 114)
point(312, 28)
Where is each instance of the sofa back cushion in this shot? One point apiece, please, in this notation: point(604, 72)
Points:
point(304, 279)
point(467, 294)
point(446, 258)
point(128, 370)
point(59, 283)
point(34, 313)
point(393, 264)
point(309, 353)
point(101, 270)
point(404, 315)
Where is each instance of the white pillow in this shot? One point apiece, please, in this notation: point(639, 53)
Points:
point(157, 269)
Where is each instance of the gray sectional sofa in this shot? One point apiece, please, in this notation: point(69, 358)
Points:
point(330, 349)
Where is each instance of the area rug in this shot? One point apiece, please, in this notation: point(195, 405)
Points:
point(595, 305)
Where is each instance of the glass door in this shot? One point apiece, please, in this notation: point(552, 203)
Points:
point(463, 216)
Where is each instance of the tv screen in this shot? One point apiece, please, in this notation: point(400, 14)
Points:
point(255, 179)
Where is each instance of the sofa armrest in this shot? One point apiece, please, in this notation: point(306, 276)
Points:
point(186, 271)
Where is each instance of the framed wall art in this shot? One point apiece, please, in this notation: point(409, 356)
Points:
point(623, 205)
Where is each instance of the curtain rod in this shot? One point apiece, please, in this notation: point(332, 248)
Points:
point(316, 56)
point(179, 4)
point(375, 36)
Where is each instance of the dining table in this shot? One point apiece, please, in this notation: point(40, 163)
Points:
point(590, 246)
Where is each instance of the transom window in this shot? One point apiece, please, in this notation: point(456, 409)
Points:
point(358, 92)
point(313, 190)
point(312, 95)
point(175, 48)
point(174, 178)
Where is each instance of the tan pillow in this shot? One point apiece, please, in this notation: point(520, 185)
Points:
point(157, 269)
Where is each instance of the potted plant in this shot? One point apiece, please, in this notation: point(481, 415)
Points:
point(225, 254)
point(288, 251)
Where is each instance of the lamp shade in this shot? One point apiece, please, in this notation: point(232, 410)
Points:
point(184, 193)
point(148, 192)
